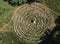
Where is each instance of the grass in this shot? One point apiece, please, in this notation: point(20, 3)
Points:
point(5, 13)
point(54, 5)
point(6, 10)
point(8, 38)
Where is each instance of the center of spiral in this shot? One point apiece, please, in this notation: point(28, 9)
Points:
point(33, 21)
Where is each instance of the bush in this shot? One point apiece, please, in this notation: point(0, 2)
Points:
point(18, 2)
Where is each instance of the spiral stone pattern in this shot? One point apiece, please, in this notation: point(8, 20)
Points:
point(31, 21)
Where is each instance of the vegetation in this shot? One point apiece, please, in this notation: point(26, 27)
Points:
point(19, 2)
point(16, 2)
point(6, 9)
point(5, 13)
point(54, 5)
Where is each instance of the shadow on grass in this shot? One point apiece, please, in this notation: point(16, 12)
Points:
point(50, 39)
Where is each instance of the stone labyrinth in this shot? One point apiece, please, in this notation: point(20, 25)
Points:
point(32, 20)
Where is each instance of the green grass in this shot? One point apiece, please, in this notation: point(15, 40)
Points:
point(54, 5)
point(8, 38)
point(5, 13)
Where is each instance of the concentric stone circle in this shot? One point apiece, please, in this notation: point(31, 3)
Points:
point(32, 20)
